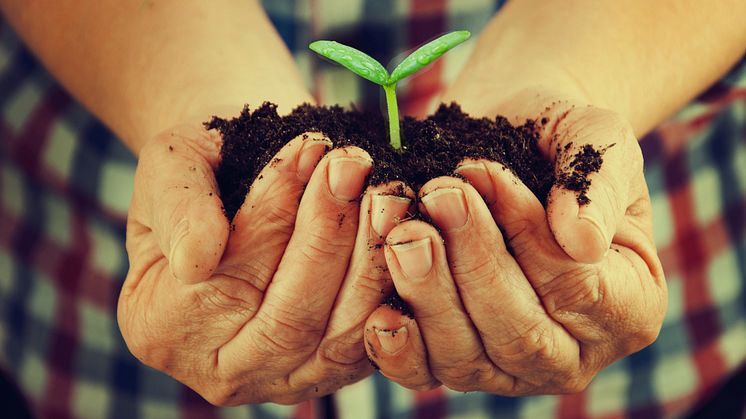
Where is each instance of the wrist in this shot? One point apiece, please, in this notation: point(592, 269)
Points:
point(518, 93)
point(198, 103)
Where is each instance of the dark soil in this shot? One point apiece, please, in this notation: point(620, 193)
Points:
point(584, 162)
point(433, 146)
point(394, 301)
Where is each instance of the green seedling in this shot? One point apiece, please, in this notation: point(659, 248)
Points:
point(368, 68)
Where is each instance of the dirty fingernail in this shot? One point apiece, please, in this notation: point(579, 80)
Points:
point(479, 177)
point(310, 154)
point(447, 207)
point(415, 257)
point(347, 175)
point(392, 341)
point(386, 211)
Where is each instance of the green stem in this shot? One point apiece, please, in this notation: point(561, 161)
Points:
point(393, 109)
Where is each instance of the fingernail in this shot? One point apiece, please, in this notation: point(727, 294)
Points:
point(479, 177)
point(310, 154)
point(447, 207)
point(592, 215)
point(392, 341)
point(386, 211)
point(177, 236)
point(347, 175)
point(415, 257)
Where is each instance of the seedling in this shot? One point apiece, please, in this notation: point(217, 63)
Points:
point(368, 68)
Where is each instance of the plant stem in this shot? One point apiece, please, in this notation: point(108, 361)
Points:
point(393, 109)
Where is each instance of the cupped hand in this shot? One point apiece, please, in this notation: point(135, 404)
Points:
point(245, 312)
point(512, 298)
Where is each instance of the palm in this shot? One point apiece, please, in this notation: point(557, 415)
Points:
point(539, 304)
point(239, 313)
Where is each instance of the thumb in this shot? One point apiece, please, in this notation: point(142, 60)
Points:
point(596, 156)
point(194, 235)
point(180, 192)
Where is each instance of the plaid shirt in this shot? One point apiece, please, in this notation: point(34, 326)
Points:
point(65, 184)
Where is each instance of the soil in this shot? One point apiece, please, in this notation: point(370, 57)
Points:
point(432, 147)
point(394, 301)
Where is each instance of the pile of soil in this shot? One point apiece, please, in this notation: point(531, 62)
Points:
point(432, 147)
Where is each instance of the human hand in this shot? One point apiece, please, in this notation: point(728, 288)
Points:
point(246, 313)
point(543, 305)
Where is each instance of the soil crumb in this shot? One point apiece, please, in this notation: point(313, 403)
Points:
point(433, 147)
point(394, 301)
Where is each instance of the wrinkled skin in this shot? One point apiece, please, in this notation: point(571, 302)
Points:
point(283, 306)
point(271, 308)
point(517, 299)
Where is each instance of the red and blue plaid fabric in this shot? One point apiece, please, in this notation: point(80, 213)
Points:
point(65, 184)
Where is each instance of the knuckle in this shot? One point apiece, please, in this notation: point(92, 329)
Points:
point(478, 273)
point(519, 229)
point(213, 301)
point(327, 245)
point(170, 211)
point(418, 378)
point(145, 342)
point(256, 272)
point(372, 284)
point(341, 353)
point(534, 345)
point(647, 336)
point(279, 217)
point(521, 388)
point(221, 395)
point(437, 317)
point(574, 385)
point(469, 379)
point(578, 291)
point(155, 354)
point(641, 338)
point(139, 345)
point(472, 374)
point(316, 251)
point(285, 334)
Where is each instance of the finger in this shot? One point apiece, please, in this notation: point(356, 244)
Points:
point(178, 200)
point(521, 216)
point(517, 333)
point(366, 282)
point(367, 279)
point(417, 261)
point(612, 307)
point(394, 345)
point(299, 298)
point(597, 150)
point(263, 225)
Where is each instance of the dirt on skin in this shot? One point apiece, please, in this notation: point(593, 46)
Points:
point(433, 147)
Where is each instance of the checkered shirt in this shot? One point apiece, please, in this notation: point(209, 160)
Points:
point(66, 182)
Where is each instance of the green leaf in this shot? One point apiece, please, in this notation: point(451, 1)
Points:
point(426, 54)
point(356, 61)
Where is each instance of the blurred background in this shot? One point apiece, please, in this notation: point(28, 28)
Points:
point(66, 182)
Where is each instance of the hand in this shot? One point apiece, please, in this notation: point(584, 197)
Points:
point(543, 305)
point(246, 313)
